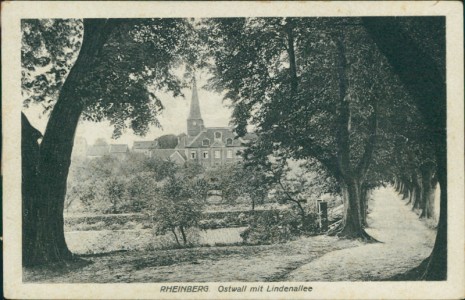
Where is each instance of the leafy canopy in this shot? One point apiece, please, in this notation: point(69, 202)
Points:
point(253, 61)
point(141, 59)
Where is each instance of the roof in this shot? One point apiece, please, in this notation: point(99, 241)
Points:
point(180, 153)
point(100, 150)
point(145, 145)
point(218, 144)
point(166, 154)
point(209, 133)
point(119, 148)
point(162, 153)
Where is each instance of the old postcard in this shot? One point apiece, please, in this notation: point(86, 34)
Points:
point(233, 150)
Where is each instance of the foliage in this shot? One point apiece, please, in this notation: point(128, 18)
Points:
point(302, 123)
point(300, 181)
point(110, 185)
point(167, 141)
point(277, 226)
point(192, 170)
point(49, 49)
point(237, 181)
point(178, 205)
point(114, 190)
point(314, 89)
point(225, 220)
point(87, 192)
point(137, 62)
point(140, 188)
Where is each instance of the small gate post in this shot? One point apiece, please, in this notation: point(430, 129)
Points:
point(322, 209)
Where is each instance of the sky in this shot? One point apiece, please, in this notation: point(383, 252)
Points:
point(215, 113)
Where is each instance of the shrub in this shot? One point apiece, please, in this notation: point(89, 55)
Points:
point(178, 206)
point(277, 226)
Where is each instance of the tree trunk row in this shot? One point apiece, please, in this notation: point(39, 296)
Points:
point(420, 190)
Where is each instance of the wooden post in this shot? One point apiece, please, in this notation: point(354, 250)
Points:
point(322, 209)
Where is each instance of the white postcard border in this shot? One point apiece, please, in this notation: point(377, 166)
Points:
point(12, 12)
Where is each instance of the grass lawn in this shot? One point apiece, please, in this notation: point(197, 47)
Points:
point(203, 264)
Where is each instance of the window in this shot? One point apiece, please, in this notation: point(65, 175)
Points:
point(217, 135)
point(193, 155)
point(229, 142)
point(205, 142)
point(217, 154)
point(205, 154)
point(229, 154)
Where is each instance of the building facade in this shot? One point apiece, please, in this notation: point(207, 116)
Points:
point(209, 146)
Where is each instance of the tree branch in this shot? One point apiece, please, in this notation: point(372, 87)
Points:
point(343, 149)
point(362, 167)
point(292, 60)
point(290, 198)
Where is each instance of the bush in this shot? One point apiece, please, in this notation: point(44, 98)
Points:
point(277, 226)
point(178, 206)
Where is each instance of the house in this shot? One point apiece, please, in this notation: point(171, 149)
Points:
point(119, 150)
point(144, 147)
point(213, 146)
point(209, 146)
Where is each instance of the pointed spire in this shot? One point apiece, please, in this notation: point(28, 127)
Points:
point(195, 106)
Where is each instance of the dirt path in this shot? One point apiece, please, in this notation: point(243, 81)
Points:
point(406, 241)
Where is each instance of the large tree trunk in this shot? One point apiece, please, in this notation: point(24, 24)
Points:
point(292, 61)
point(352, 219)
point(29, 160)
point(411, 189)
point(364, 206)
point(436, 268)
point(431, 201)
point(428, 89)
point(47, 206)
point(351, 177)
point(396, 184)
point(428, 191)
point(418, 193)
point(405, 191)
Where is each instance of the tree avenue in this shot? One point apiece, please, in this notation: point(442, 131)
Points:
point(321, 88)
point(423, 49)
point(335, 94)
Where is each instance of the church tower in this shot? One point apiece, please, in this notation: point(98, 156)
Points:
point(194, 121)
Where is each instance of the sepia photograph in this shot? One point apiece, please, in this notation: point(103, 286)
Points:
point(239, 153)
